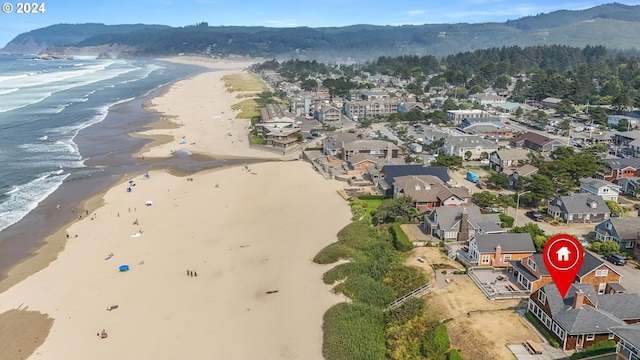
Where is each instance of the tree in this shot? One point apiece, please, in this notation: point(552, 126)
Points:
point(390, 210)
point(485, 199)
point(498, 180)
point(450, 104)
point(614, 207)
point(537, 235)
point(565, 107)
point(623, 125)
point(468, 155)
point(484, 155)
point(452, 162)
point(519, 112)
point(309, 84)
point(598, 115)
point(540, 187)
point(605, 247)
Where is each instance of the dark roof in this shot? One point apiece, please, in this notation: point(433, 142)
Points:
point(617, 164)
point(616, 287)
point(393, 171)
point(591, 263)
point(630, 333)
point(533, 137)
point(586, 319)
point(579, 203)
point(488, 226)
point(622, 229)
point(509, 243)
point(448, 217)
point(624, 306)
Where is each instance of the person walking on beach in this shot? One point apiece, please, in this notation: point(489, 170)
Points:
point(195, 273)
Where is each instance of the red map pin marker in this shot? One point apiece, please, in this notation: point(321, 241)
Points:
point(563, 257)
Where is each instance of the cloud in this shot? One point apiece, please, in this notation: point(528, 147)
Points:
point(415, 12)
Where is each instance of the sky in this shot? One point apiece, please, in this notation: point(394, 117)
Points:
point(279, 13)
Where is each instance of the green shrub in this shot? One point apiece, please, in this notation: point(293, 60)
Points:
point(361, 288)
point(372, 197)
point(550, 338)
point(436, 342)
point(258, 140)
point(334, 252)
point(401, 241)
point(358, 235)
point(353, 332)
point(602, 347)
point(403, 279)
point(407, 311)
point(506, 221)
point(454, 355)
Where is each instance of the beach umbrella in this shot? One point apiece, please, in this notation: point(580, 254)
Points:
point(124, 268)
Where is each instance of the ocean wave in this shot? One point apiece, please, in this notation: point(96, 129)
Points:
point(26, 197)
point(8, 91)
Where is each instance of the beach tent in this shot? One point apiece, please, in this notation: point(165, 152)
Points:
point(124, 268)
point(148, 203)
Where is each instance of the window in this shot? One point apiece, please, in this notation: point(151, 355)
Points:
point(590, 337)
point(601, 273)
point(601, 288)
point(542, 297)
point(611, 336)
point(531, 263)
point(507, 257)
point(629, 244)
point(485, 259)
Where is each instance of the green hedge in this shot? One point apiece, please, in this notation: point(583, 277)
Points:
point(353, 332)
point(603, 347)
point(372, 197)
point(401, 241)
point(506, 221)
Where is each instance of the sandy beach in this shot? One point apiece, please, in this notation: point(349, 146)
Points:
point(249, 232)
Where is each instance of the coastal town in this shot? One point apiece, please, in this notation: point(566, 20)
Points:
point(469, 180)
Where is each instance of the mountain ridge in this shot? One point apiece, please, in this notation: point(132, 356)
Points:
point(614, 25)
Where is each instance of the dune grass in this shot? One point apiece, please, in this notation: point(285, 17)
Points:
point(244, 82)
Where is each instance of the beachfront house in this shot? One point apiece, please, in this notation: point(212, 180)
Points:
point(428, 192)
point(579, 208)
point(460, 223)
point(499, 249)
point(583, 318)
point(531, 273)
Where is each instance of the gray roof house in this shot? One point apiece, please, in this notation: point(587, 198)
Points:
point(629, 186)
point(624, 231)
point(446, 222)
point(579, 208)
point(503, 159)
point(583, 318)
point(629, 341)
point(498, 249)
point(459, 145)
point(605, 189)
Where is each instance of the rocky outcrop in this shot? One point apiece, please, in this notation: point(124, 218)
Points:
point(104, 55)
point(54, 56)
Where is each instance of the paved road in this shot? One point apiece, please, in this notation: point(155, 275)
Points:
point(630, 276)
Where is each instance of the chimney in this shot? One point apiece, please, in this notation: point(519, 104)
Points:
point(578, 299)
point(463, 234)
point(497, 260)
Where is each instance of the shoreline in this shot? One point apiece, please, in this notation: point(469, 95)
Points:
point(53, 251)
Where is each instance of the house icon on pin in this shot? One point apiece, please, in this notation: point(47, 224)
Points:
point(563, 254)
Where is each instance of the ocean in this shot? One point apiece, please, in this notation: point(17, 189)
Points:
point(45, 108)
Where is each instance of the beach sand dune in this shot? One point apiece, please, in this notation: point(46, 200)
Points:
point(250, 238)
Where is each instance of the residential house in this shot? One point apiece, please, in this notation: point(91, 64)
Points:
point(624, 231)
point(500, 160)
point(532, 273)
point(614, 120)
point(514, 175)
point(550, 102)
point(373, 172)
point(456, 116)
point(280, 134)
point(623, 138)
point(488, 131)
point(428, 192)
point(346, 145)
point(328, 115)
point(389, 173)
point(361, 162)
point(460, 145)
point(535, 141)
point(498, 249)
point(604, 189)
point(460, 223)
point(630, 186)
point(583, 318)
point(579, 208)
point(489, 120)
point(628, 347)
point(616, 169)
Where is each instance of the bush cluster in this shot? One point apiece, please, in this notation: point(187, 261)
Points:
point(401, 241)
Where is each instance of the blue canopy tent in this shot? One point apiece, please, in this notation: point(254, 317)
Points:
point(124, 268)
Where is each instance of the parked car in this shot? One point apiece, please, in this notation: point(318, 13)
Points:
point(616, 259)
point(535, 215)
point(583, 241)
